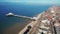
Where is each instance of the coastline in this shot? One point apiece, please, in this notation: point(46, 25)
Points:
point(33, 23)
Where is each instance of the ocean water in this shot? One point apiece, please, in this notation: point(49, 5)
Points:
point(12, 25)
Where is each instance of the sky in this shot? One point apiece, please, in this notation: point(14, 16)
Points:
point(34, 1)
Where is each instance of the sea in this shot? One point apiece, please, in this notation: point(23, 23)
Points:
point(13, 25)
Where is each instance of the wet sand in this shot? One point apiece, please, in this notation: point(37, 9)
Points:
point(16, 28)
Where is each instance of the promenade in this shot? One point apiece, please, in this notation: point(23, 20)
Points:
point(32, 24)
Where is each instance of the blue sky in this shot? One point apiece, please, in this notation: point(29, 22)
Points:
point(34, 1)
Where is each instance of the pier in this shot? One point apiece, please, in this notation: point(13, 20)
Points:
point(32, 18)
point(19, 16)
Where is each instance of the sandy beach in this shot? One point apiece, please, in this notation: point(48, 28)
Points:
point(33, 23)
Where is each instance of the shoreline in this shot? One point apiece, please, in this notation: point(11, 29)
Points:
point(33, 23)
